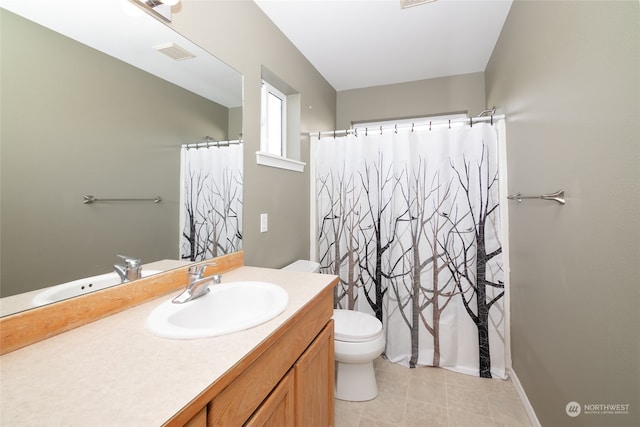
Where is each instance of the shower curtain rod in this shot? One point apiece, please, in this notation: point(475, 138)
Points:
point(418, 125)
point(211, 143)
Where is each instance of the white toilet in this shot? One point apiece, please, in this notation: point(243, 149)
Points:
point(358, 341)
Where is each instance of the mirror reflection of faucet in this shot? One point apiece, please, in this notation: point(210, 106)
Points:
point(130, 270)
point(197, 285)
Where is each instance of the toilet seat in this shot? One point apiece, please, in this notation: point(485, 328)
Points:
point(354, 326)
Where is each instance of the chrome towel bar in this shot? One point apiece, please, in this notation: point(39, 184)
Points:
point(558, 196)
point(89, 199)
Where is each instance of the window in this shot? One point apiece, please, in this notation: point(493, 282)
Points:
point(273, 132)
point(279, 124)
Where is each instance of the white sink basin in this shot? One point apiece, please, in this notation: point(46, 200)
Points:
point(228, 307)
point(80, 287)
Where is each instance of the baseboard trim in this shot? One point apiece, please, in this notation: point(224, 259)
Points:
point(523, 397)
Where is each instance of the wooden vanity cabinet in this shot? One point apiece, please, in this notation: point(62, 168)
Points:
point(287, 381)
point(314, 381)
point(304, 397)
point(199, 420)
point(279, 408)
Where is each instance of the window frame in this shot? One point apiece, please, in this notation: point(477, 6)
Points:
point(267, 120)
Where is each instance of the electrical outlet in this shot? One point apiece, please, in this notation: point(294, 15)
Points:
point(263, 223)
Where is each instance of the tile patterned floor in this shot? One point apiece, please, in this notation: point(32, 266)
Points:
point(428, 397)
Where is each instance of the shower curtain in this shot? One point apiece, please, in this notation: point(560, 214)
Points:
point(410, 222)
point(211, 200)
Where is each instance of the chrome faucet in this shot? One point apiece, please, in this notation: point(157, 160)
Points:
point(130, 270)
point(197, 285)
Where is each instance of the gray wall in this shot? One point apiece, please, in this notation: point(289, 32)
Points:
point(240, 34)
point(455, 94)
point(76, 122)
point(567, 76)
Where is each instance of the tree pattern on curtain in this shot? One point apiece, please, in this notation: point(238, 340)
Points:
point(410, 223)
point(212, 202)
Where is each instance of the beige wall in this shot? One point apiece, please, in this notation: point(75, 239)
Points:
point(567, 75)
point(76, 122)
point(455, 94)
point(240, 34)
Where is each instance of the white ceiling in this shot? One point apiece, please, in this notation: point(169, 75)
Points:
point(363, 43)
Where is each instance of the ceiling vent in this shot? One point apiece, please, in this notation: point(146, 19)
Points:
point(410, 3)
point(174, 51)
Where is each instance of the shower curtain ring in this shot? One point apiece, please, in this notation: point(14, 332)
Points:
point(396, 131)
point(380, 130)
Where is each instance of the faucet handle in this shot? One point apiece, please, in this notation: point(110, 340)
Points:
point(130, 262)
point(198, 270)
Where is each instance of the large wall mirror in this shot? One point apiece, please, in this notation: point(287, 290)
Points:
point(91, 106)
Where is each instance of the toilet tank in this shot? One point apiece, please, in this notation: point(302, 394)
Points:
point(304, 266)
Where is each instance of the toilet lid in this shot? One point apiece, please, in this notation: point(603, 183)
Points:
point(354, 326)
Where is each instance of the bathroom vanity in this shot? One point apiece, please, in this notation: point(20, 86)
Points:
point(113, 371)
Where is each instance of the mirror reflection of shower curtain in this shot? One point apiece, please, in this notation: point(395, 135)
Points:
point(410, 221)
point(211, 201)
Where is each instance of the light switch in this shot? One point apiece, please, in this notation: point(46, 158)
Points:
point(263, 223)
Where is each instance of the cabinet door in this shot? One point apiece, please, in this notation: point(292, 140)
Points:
point(314, 376)
point(278, 409)
point(198, 420)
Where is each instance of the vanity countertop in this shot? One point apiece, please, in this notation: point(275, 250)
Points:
point(115, 372)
